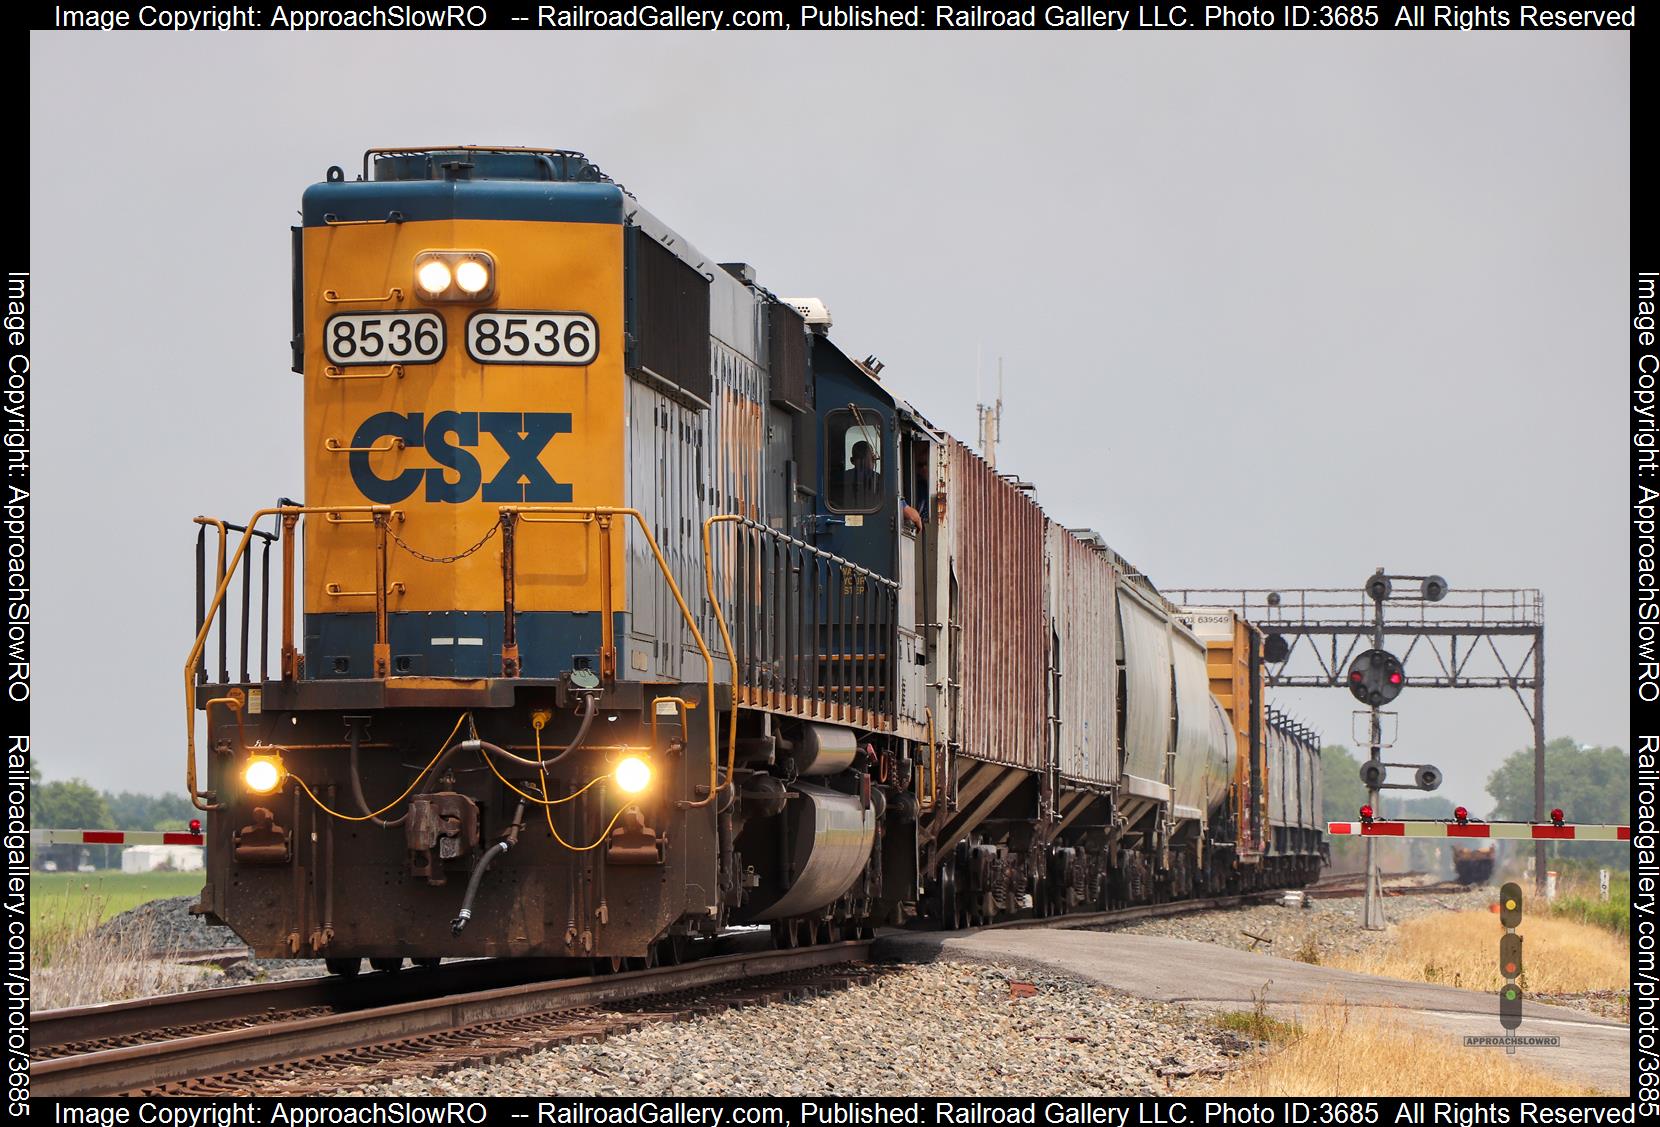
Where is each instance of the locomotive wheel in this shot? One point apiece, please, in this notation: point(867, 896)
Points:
point(390, 962)
point(344, 967)
point(951, 912)
point(671, 951)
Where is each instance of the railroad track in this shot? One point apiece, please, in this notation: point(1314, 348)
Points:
point(292, 1039)
point(320, 1035)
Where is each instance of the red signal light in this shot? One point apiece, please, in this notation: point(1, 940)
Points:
point(1366, 813)
point(1461, 814)
point(1357, 676)
point(195, 825)
point(1556, 816)
point(1395, 678)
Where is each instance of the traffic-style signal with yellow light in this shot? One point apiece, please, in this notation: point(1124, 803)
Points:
point(1510, 955)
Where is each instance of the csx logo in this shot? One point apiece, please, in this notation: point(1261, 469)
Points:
point(448, 436)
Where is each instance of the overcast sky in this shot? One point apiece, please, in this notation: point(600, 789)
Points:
point(1235, 279)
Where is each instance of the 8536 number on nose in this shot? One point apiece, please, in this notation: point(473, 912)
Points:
point(512, 336)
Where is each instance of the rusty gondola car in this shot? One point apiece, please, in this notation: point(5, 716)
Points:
point(623, 605)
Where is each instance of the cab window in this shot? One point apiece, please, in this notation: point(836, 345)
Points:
point(853, 457)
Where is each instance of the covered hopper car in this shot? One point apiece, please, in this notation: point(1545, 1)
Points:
point(624, 605)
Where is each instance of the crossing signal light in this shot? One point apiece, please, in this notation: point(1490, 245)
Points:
point(1556, 817)
point(1376, 677)
point(195, 825)
point(1510, 905)
point(1461, 814)
point(1366, 813)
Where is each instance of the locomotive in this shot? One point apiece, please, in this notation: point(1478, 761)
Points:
point(623, 606)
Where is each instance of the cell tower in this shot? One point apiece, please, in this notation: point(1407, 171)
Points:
point(991, 418)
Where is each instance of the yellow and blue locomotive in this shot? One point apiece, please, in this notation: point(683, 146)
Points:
point(623, 605)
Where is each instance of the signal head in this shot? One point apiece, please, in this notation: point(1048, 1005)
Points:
point(1510, 904)
point(1510, 954)
point(1275, 648)
point(1376, 677)
point(1434, 588)
point(1510, 1005)
point(1378, 587)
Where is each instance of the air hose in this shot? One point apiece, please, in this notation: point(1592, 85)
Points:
point(509, 838)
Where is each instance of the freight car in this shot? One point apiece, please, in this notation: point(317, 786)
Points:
point(625, 605)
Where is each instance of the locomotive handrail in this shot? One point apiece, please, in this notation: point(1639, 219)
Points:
point(333, 297)
point(289, 514)
point(725, 634)
point(334, 447)
point(602, 515)
point(224, 529)
point(330, 372)
point(783, 664)
point(811, 549)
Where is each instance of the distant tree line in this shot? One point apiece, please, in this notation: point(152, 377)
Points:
point(73, 804)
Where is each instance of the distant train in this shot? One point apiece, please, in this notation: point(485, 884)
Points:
point(624, 605)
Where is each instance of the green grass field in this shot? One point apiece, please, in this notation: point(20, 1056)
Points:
point(56, 899)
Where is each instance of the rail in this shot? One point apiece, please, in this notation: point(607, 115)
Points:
point(815, 633)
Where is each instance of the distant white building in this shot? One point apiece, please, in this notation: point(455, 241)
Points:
point(149, 858)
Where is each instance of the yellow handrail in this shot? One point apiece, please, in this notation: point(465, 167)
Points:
point(933, 791)
point(287, 512)
point(685, 612)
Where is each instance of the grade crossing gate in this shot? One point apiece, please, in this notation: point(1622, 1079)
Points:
point(114, 837)
point(1508, 831)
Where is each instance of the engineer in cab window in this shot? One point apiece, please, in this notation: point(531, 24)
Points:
point(854, 457)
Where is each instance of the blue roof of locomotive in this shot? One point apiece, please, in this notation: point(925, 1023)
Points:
point(545, 186)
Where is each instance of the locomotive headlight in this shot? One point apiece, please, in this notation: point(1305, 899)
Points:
point(633, 775)
point(264, 774)
point(472, 276)
point(455, 275)
point(433, 276)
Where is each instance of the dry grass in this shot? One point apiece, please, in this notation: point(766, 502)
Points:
point(70, 964)
point(1339, 1053)
point(1559, 955)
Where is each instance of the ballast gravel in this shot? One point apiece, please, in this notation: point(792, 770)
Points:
point(948, 1028)
point(169, 929)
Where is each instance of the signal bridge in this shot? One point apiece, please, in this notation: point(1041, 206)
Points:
point(1456, 638)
